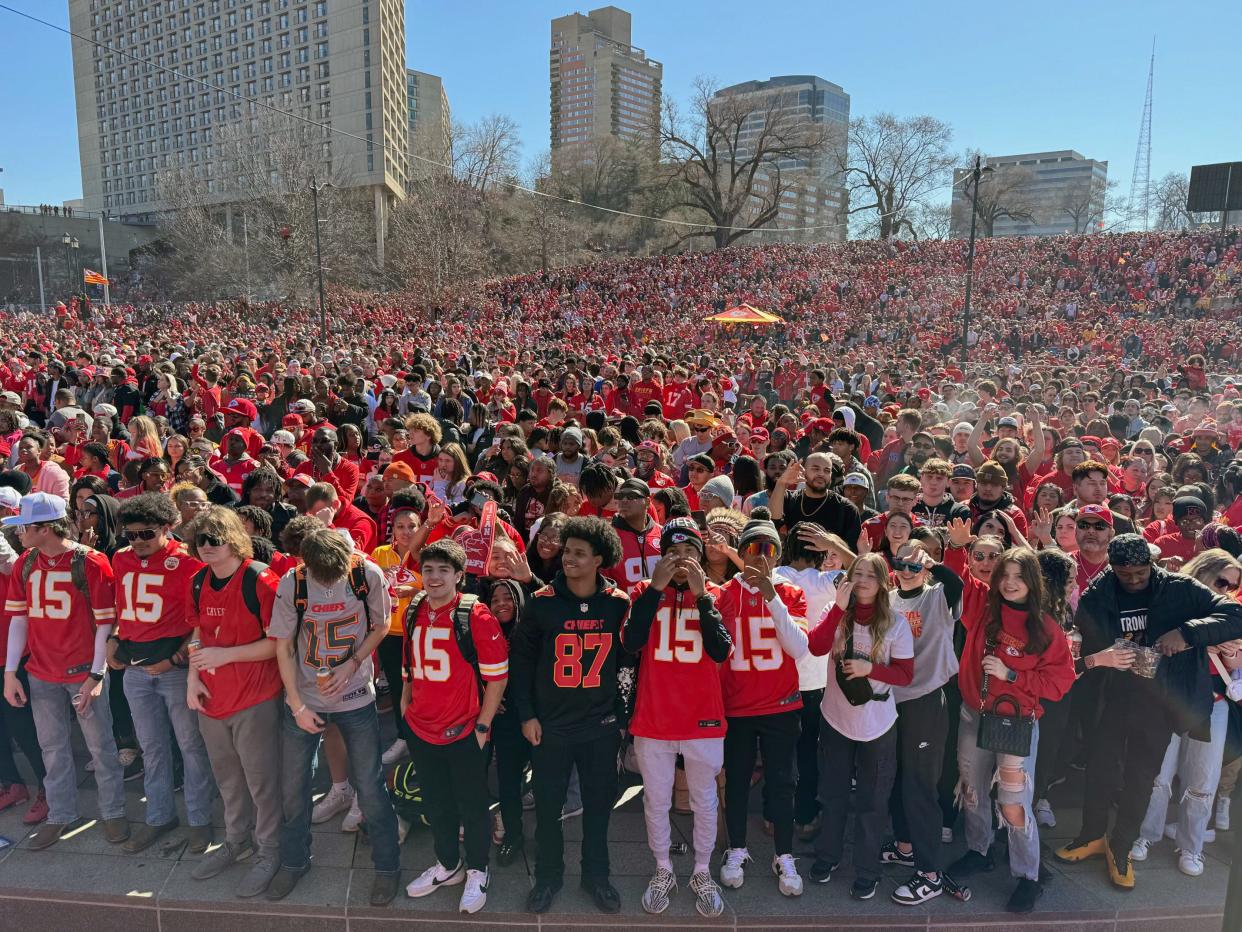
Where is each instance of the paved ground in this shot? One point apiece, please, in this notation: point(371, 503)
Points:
point(82, 882)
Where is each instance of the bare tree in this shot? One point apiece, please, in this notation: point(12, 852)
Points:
point(607, 172)
point(486, 152)
point(932, 221)
point(437, 239)
point(1004, 193)
point(1084, 205)
point(720, 170)
point(1169, 197)
point(891, 165)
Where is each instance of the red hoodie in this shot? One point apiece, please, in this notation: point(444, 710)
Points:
point(1040, 676)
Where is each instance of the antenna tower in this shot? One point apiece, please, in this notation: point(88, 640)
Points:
point(1140, 182)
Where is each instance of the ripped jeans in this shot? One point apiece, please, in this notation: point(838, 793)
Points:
point(1198, 764)
point(979, 771)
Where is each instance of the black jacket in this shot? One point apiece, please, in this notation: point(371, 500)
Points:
point(1177, 603)
point(564, 657)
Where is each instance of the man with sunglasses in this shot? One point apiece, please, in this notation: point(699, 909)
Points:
point(640, 536)
point(815, 501)
point(66, 630)
point(766, 620)
point(1093, 529)
point(701, 422)
point(153, 627)
point(699, 469)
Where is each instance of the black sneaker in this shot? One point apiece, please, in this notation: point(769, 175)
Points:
point(604, 895)
point(891, 854)
point(918, 889)
point(821, 871)
point(540, 898)
point(509, 851)
point(972, 862)
point(864, 889)
point(1024, 896)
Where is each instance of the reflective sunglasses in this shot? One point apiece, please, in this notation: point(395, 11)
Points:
point(209, 540)
point(760, 548)
point(981, 557)
point(147, 533)
point(629, 496)
point(901, 566)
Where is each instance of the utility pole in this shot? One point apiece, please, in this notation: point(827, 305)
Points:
point(103, 261)
point(975, 173)
point(39, 264)
point(323, 313)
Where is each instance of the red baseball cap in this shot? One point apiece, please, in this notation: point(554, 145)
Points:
point(243, 406)
point(1100, 512)
point(291, 420)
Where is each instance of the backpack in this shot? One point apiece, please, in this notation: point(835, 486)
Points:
point(461, 625)
point(249, 587)
point(357, 584)
point(77, 570)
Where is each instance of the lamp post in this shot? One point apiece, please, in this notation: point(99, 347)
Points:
point(975, 174)
point(323, 313)
point(67, 240)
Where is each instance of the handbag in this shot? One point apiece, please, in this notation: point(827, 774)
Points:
point(1001, 733)
point(856, 691)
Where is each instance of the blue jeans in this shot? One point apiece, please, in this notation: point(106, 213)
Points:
point(157, 704)
point(1198, 764)
point(360, 729)
point(53, 717)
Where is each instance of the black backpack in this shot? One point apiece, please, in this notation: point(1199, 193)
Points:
point(249, 586)
point(461, 625)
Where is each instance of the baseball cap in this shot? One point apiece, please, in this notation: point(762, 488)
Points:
point(963, 471)
point(635, 485)
point(1007, 421)
point(303, 406)
point(872, 401)
point(10, 497)
point(1099, 512)
point(291, 420)
point(963, 428)
point(300, 478)
point(856, 478)
point(36, 508)
point(244, 407)
point(11, 397)
point(283, 436)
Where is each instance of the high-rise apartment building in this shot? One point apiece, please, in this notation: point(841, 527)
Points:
point(168, 77)
point(813, 202)
point(430, 123)
point(1065, 193)
point(601, 85)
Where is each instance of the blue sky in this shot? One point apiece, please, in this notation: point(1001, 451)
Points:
point(1008, 77)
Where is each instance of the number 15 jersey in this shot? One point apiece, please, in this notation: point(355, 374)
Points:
point(759, 677)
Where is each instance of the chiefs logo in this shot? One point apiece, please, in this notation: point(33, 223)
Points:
point(171, 563)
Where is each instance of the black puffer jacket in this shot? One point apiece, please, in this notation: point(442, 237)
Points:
point(1177, 603)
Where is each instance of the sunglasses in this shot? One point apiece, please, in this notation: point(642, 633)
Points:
point(1224, 585)
point(146, 533)
point(760, 548)
point(701, 430)
point(209, 540)
point(981, 557)
point(629, 496)
point(901, 566)
point(1091, 526)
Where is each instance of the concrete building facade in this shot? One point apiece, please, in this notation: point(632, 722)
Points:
point(1056, 177)
point(600, 84)
point(815, 195)
point(167, 76)
point(430, 123)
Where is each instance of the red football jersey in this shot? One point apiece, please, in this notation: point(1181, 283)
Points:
point(760, 678)
point(151, 594)
point(224, 620)
point(444, 690)
point(234, 474)
point(424, 466)
point(679, 689)
point(60, 621)
point(640, 551)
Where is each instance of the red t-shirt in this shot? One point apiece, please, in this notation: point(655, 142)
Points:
point(344, 478)
point(223, 620)
point(1175, 545)
point(360, 525)
point(444, 689)
point(643, 392)
point(60, 621)
point(679, 691)
point(151, 594)
point(760, 678)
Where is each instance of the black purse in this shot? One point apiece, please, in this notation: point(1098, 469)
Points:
point(1000, 733)
point(857, 691)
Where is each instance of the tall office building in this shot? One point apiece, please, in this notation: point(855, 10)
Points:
point(1058, 179)
point(814, 194)
point(430, 123)
point(600, 84)
point(340, 62)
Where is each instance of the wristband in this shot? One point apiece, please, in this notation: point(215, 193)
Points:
point(300, 710)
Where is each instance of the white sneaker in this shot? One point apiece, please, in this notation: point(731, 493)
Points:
point(337, 799)
point(403, 829)
point(707, 899)
point(1222, 813)
point(788, 880)
point(1190, 864)
point(498, 828)
point(659, 889)
point(731, 868)
point(1044, 814)
point(1170, 832)
point(946, 836)
point(396, 751)
point(474, 896)
point(435, 877)
point(353, 818)
point(1138, 851)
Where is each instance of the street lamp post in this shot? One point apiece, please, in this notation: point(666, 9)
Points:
point(323, 313)
point(975, 174)
point(67, 240)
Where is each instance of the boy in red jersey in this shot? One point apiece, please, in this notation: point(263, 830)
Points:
point(679, 710)
point(451, 724)
point(234, 686)
point(152, 584)
point(67, 631)
point(767, 621)
point(640, 536)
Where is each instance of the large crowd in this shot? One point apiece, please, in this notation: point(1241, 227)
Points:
point(562, 536)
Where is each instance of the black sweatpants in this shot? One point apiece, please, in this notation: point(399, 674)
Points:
point(876, 764)
point(949, 775)
point(512, 755)
point(806, 792)
point(1054, 735)
point(922, 728)
point(17, 727)
point(1132, 736)
point(775, 736)
point(553, 759)
point(454, 782)
point(390, 655)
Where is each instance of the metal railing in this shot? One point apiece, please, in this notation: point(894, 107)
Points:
point(58, 212)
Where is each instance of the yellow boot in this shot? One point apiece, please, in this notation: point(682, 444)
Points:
point(1077, 851)
point(1121, 878)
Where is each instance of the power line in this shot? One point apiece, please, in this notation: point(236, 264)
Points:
point(340, 132)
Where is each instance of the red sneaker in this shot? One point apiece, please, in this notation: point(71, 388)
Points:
point(16, 793)
point(37, 811)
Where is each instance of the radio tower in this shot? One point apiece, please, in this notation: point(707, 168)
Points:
point(1140, 181)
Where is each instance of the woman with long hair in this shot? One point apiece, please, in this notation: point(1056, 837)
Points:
point(144, 438)
point(452, 471)
point(872, 651)
point(176, 448)
point(1014, 659)
point(1195, 763)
